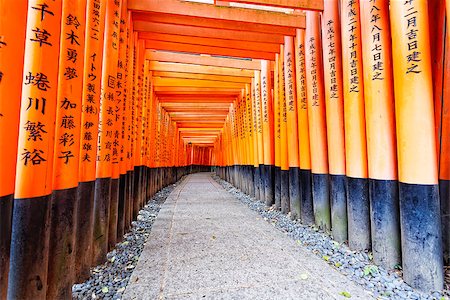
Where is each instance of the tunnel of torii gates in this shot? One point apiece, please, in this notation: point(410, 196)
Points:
point(333, 111)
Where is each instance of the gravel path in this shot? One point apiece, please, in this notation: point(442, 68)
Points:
point(108, 281)
point(358, 266)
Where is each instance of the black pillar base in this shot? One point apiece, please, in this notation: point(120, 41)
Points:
point(294, 192)
point(136, 191)
point(85, 230)
point(285, 205)
point(29, 248)
point(123, 191)
point(61, 258)
point(444, 193)
point(262, 189)
point(257, 175)
point(358, 213)
point(421, 236)
point(321, 201)
point(385, 222)
point(338, 199)
point(113, 213)
point(269, 185)
point(278, 188)
point(6, 210)
point(306, 204)
point(101, 220)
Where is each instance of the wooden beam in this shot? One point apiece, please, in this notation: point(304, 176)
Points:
point(176, 114)
point(188, 48)
point(296, 4)
point(217, 24)
point(218, 130)
point(196, 98)
point(178, 82)
point(204, 60)
point(240, 35)
point(213, 42)
point(197, 69)
point(202, 77)
point(201, 125)
point(212, 12)
point(210, 99)
point(196, 91)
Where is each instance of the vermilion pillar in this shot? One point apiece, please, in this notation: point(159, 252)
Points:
point(292, 133)
point(61, 271)
point(417, 164)
point(317, 122)
point(92, 74)
point(380, 128)
point(355, 131)
point(31, 213)
point(334, 102)
point(12, 41)
point(284, 160)
point(306, 204)
point(277, 128)
point(268, 140)
point(105, 189)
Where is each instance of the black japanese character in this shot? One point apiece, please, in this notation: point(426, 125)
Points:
point(72, 55)
point(39, 80)
point(66, 139)
point(39, 104)
point(43, 10)
point(35, 157)
point(70, 73)
point(67, 122)
point(41, 36)
point(66, 104)
point(72, 37)
point(72, 20)
point(35, 130)
point(66, 155)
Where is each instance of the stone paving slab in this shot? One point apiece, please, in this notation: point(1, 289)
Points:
point(206, 245)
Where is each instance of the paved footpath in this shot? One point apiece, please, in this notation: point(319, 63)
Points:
point(205, 244)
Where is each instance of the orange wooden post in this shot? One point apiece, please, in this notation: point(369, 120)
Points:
point(12, 40)
point(92, 74)
point(143, 89)
point(137, 128)
point(334, 100)
point(116, 115)
point(256, 145)
point(317, 122)
point(130, 121)
point(259, 133)
point(67, 152)
point(306, 204)
point(284, 160)
point(443, 122)
point(380, 128)
point(417, 163)
point(355, 130)
point(292, 133)
point(122, 101)
point(277, 125)
point(268, 133)
point(106, 188)
point(250, 140)
point(33, 184)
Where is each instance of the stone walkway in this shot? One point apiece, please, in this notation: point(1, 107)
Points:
point(206, 245)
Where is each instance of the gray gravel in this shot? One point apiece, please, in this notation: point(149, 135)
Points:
point(108, 281)
point(357, 265)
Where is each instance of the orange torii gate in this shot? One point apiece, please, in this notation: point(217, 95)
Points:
point(311, 109)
